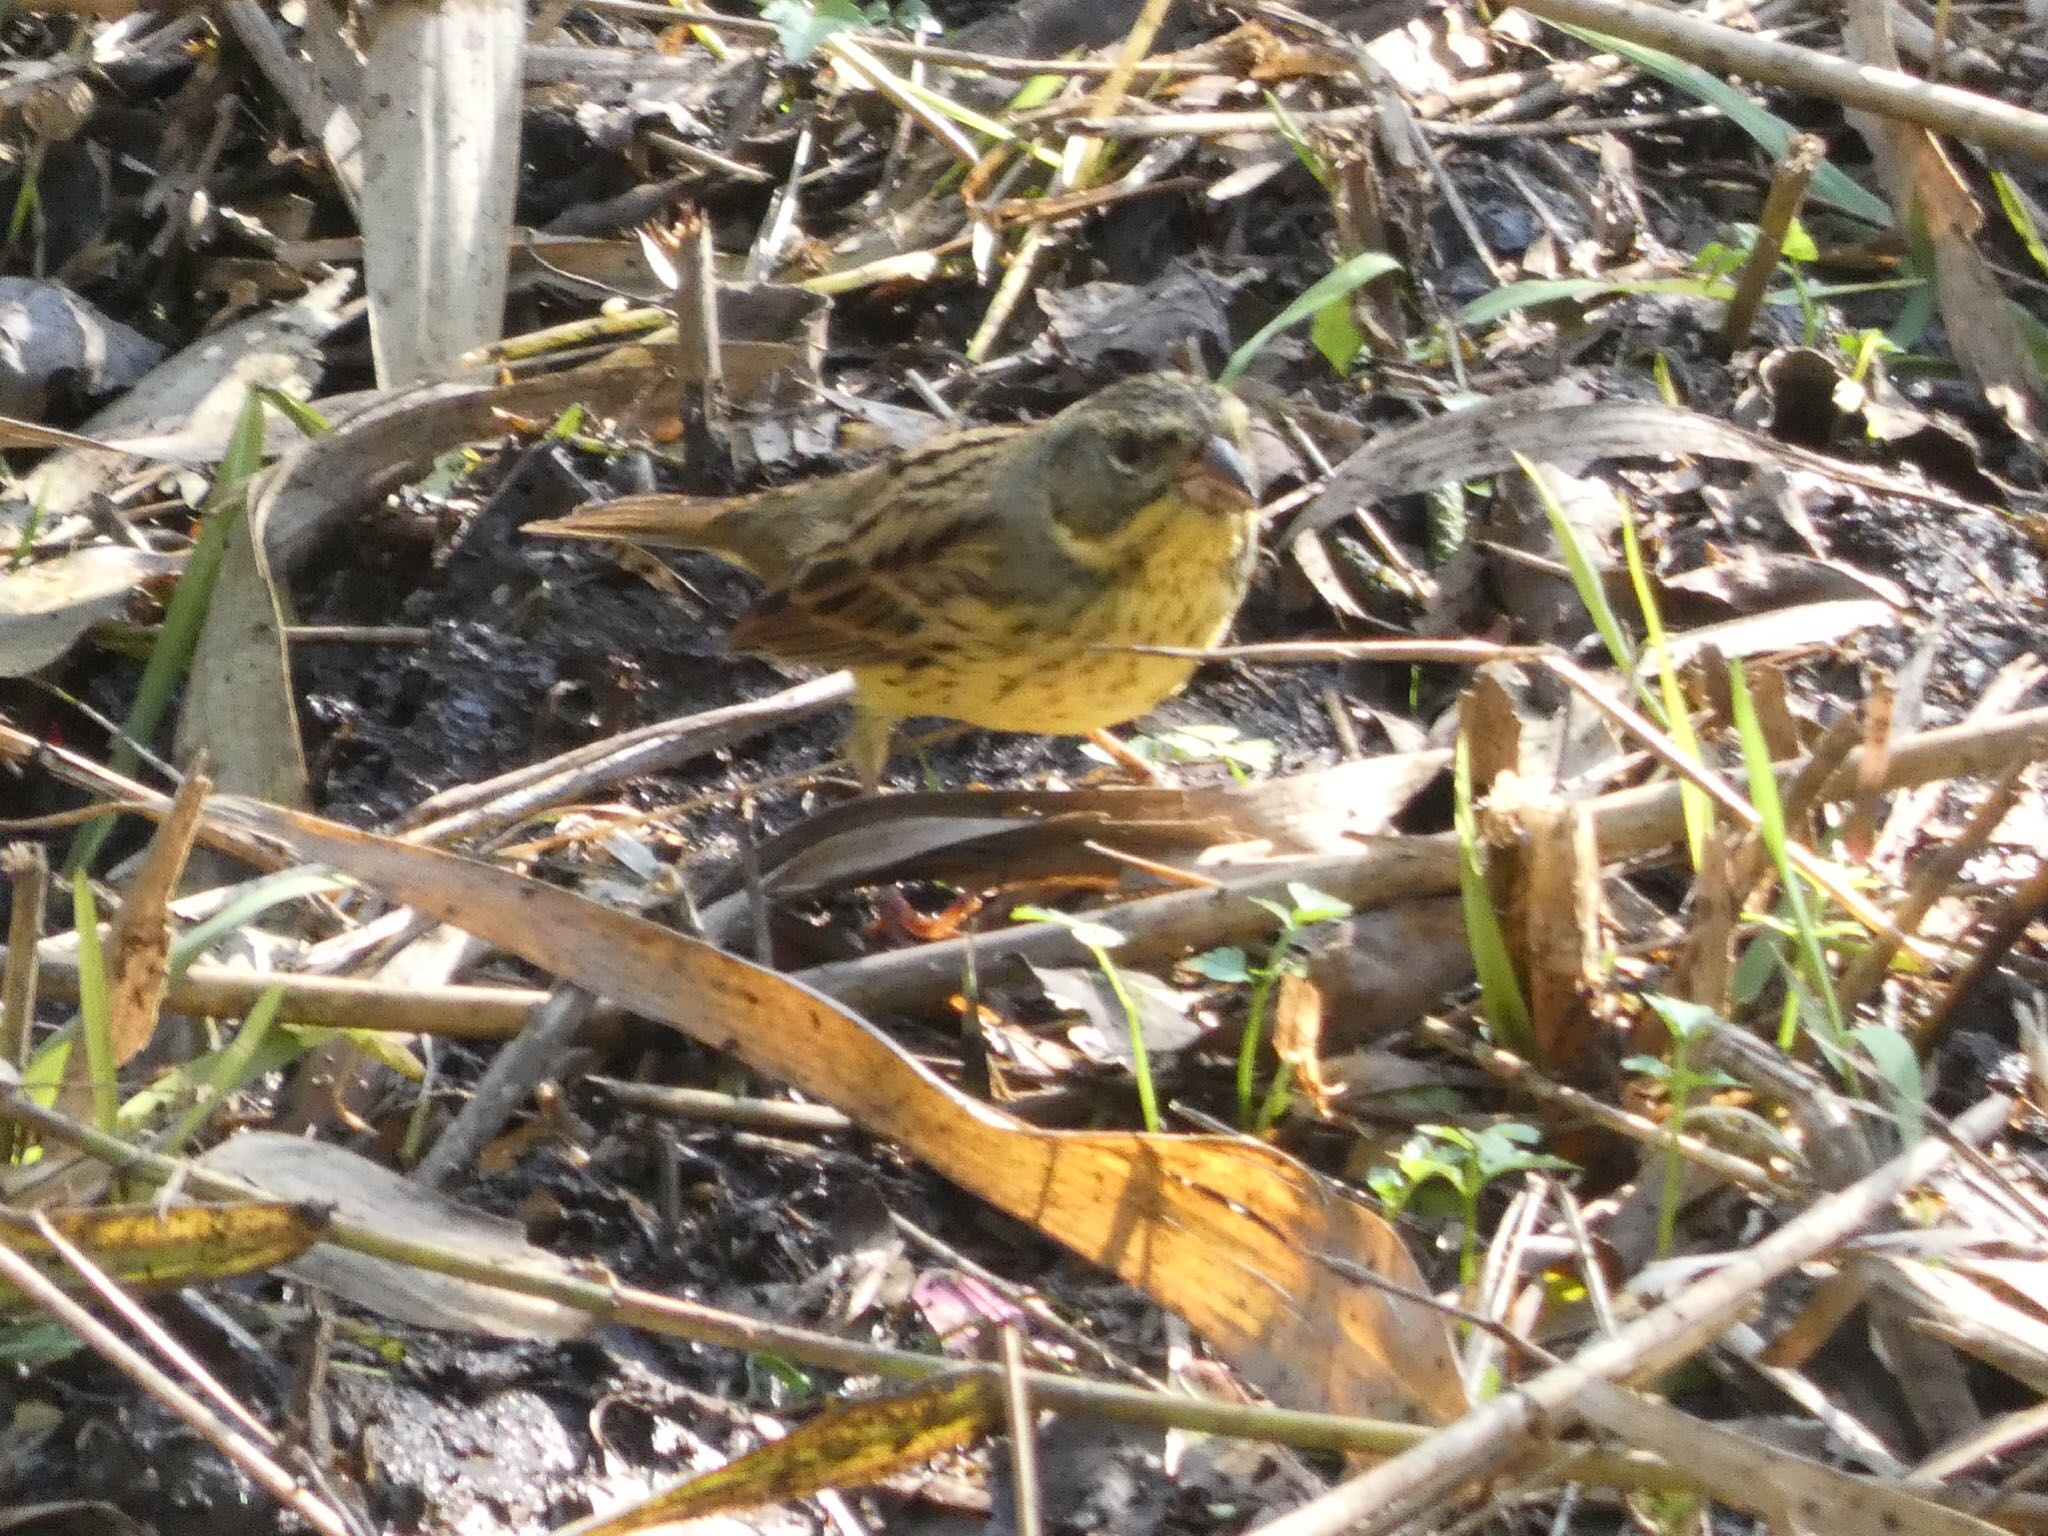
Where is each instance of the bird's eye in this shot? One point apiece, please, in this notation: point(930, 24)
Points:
point(1126, 451)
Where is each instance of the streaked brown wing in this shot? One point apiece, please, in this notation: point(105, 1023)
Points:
point(856, 622)
point(929, 538)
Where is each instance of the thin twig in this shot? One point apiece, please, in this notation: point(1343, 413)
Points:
point(224, 1437)
point(1890, 93)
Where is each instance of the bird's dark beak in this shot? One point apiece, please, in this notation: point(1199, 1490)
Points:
point(1223, 465)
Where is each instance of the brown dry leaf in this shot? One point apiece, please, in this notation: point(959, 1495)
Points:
point(1382, 970)
point(1987, 331)
point(1807, 626)
point(1239, 1240)
point(847, 1447)
point(369, 1195)
point(46, 607)
point(185, 1245)
point(1557, 422)
point(138, 946)
point(1006, 837)
point(28, 434)
point(1749, 580)
point(1297, 1037)
point(1789, 1492)
point(1993, 1313)
point(1555, 938)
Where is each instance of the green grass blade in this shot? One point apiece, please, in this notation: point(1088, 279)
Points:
point(172, 658)
point(1677, 719)
point(1353, 274)
point(94, 1014)
point(1510, 297)
point(1500, 994)
point(272, 891)
point(1830, 182)
point(229, 1070)
point(1763, 794)
point(1585, 579)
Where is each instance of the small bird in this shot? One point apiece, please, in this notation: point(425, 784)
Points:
point(990, 575)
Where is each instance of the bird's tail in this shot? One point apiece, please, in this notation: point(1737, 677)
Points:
point(750, 531)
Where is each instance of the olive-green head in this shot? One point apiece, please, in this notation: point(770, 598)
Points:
point(1125, 447)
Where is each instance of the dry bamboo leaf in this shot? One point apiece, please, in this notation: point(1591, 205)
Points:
point(366, 1194)
point(47, 606)
point(184, 1245)
point(321, 483)
point(1791, 1492)
point(1239, 1240)
point(1976, 1317)
point(186, 408)
point(1987, 332)
point(239, 708)
point(1557, 422)
point(847, 1447)
point(440, 126)
point(1003, 836)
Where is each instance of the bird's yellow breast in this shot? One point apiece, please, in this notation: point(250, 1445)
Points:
point(1175, 576)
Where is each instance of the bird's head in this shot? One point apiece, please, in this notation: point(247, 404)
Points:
point(1124, 448)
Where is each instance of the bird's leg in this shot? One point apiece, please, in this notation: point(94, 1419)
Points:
point(867, 745)
point(1136, 766)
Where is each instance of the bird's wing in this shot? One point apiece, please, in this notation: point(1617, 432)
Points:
point(934, 533)
point(876, 601)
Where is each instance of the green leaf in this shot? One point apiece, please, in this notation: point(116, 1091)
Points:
point(2019, 213)
point(1314, 906)
point(1092, 935)
point(1353, 274)
point(1274, 907)
point(1337, 336)
point(1505, 300)
point(801, 25)
point(1892, 1054)
point(1227, 964)
point(1297, 140)
point(1684, 1019)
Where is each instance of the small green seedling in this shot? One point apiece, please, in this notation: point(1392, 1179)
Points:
point(1686, 1022)
point(1099, 939)
point(1306, 906)
point(1465, 1162)
point(801, 25)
